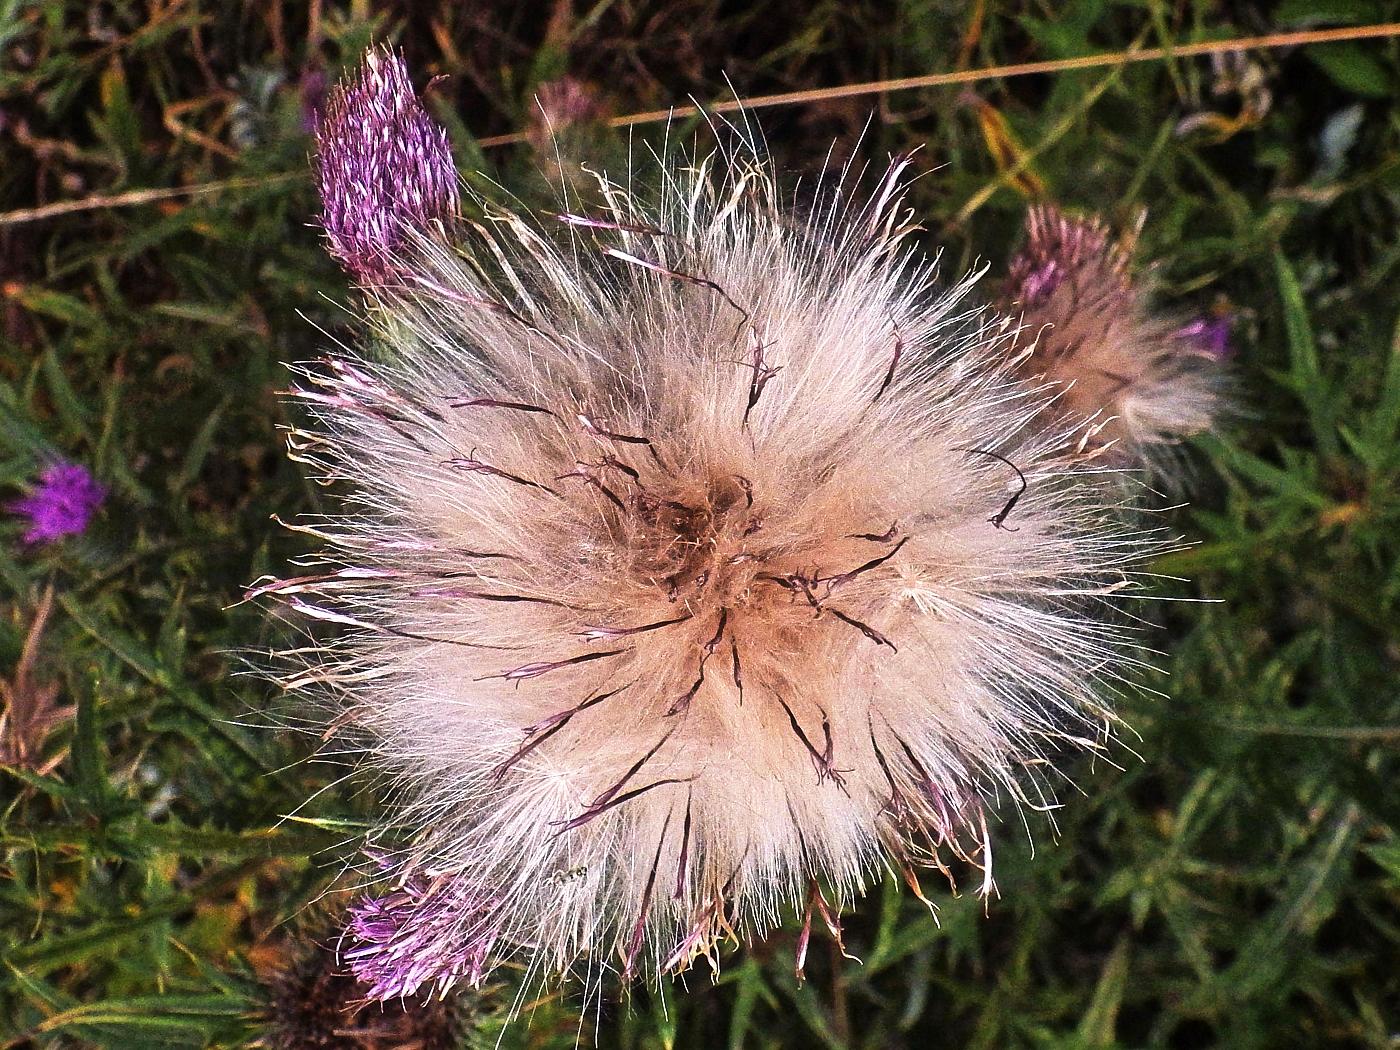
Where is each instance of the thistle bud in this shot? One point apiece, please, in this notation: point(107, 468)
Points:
point(384, 168)
point(314, 1002)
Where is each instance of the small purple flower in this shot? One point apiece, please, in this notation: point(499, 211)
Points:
point(1208, 335)
point(435, 928)
point(383, 166)
point(61, 505)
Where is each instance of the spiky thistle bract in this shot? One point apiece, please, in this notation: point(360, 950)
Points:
point(695, 563)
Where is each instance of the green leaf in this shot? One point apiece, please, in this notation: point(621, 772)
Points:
point(751, 988)
point(1100, 1021)
point(1264, 474)
point(118, 124)
point(1354, 67)
point(199, 449)
point(1307, 898)
point(17, 430)
point(1383, 427)
point(186, 841)
point(146, 1012)
point(89, 772)
point(232, 317)
point(1306, 378)
point(131, 652)
point(59, 305)
point(65, 399)
point(96, 940)
point(1387, 855)
point(1300, 13)
point(120, 642)
point(47, 784)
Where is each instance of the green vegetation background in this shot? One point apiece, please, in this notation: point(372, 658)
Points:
point(1237, 885)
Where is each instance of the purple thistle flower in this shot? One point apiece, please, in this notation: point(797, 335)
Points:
point(383, 167)
point(435, 928)
point(1208, 335)
point(62, 505)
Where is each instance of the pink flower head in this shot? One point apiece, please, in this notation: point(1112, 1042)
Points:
point(434, 929)
point(61, 505)
point(383, 167)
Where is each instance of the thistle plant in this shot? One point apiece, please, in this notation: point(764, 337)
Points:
point(1137, 380)
point(697, 561)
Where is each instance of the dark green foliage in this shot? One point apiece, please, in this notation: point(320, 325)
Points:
point(1237, 885)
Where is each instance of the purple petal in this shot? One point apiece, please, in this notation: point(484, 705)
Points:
point(434, 929)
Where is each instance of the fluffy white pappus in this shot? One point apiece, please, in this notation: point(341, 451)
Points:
point(696, 565)
point(1136, 379)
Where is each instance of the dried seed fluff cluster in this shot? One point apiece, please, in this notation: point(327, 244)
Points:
point(696, 563)
point(1136, 380)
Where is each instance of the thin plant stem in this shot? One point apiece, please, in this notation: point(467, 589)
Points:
point(972, 76)
point(789, 98)
point(134, 197)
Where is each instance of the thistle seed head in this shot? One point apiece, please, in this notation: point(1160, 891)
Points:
point(1138, 380)
point(695, 563)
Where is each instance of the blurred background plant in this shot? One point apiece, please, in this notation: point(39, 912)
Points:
point(1238, 885)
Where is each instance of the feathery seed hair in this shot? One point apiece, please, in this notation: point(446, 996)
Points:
point(1137, 380)
point(695, 564)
